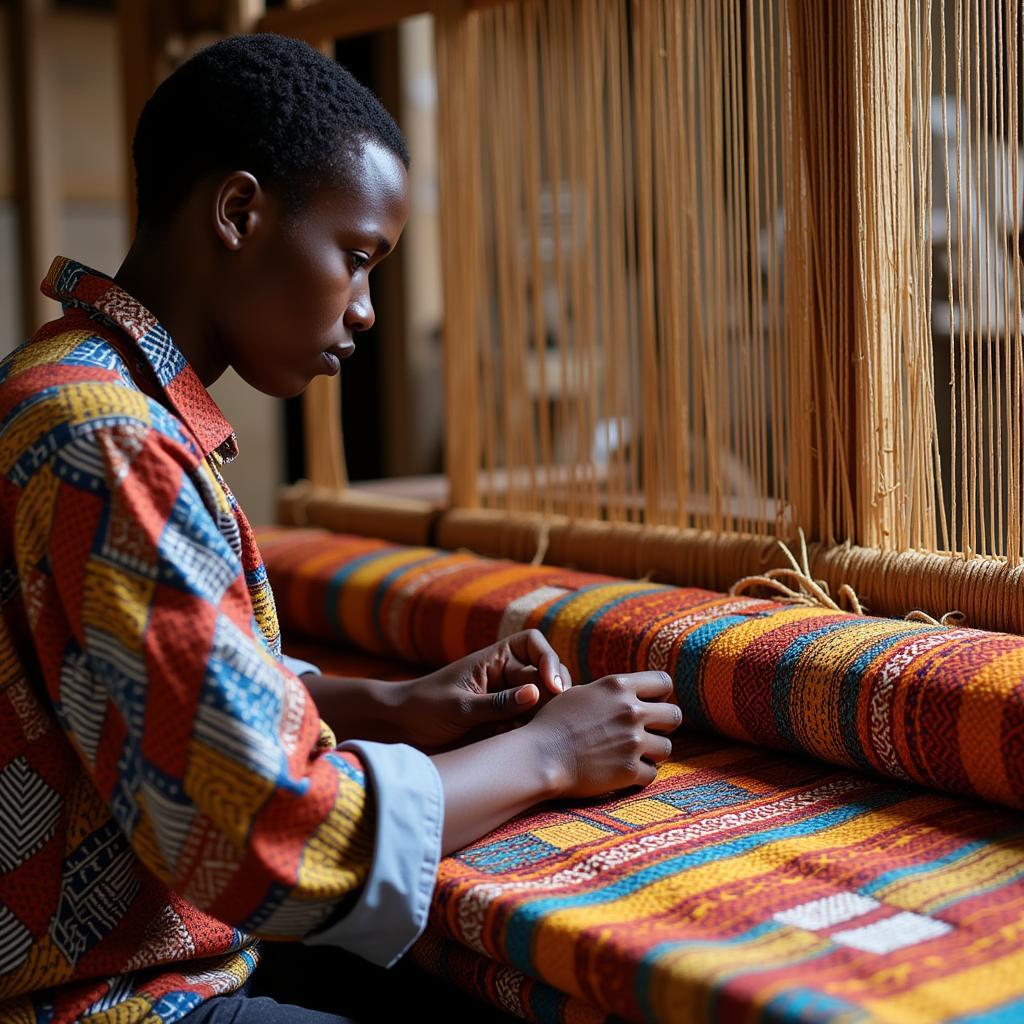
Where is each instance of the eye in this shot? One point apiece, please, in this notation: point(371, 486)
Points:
point(357, 260)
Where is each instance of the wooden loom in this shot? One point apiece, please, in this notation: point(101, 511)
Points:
point(689, 265)
point(733, 204)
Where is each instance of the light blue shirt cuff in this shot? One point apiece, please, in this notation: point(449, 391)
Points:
point(298, 667)
point(392, 908)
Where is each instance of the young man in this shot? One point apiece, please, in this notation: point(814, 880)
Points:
point(169, 789)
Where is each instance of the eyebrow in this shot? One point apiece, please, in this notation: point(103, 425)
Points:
point(383, 245)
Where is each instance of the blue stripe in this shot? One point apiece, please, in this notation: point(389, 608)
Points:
point(385, 585)
point(688, 664)
point(807, 1004)
point(941, 862)
point(524, 919)
point(583, 644)
point(1009, 1013)
point(781, 683)
point(335, 584)
point(545, 1002)
point(549, 616)
point(642, 985)
point(850, 689)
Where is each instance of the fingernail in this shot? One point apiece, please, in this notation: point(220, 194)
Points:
point(522, 697)
point(559, 683)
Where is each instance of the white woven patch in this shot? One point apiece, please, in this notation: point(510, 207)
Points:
point(518, 611)
point(827, 911)
point(893, 933)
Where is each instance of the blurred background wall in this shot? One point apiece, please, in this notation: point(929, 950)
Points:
point(62, 77)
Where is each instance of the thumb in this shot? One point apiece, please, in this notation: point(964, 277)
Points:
point(496, 707)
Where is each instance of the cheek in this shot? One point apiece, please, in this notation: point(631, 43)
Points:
point(285, 309)
point(312, 297)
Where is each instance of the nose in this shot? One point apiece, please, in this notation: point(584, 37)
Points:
point(359, 314)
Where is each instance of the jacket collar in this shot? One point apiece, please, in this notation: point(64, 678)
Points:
point(76, 286)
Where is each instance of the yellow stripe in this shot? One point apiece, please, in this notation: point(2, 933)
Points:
point(575, 613)
point(461, 603)
point(355, 601)
point(980, 721)
point(979, 988)
point(815, 686)
point(550, 934)
point(681, 979)
point(33, 520)
point(73, 404)
point(719, 664)
point(116, 602)
point(991, 866)
point(46, 351)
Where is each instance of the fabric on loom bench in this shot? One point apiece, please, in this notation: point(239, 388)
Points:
point(943, 707)
point(742, 885)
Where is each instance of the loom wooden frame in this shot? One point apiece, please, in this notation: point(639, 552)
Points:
point(891, 582)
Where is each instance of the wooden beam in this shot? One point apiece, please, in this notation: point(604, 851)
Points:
point(243, 15)
point(457, 49)
point(37, 182)
point(139, 77)
point(324, 443)
point(340, 19)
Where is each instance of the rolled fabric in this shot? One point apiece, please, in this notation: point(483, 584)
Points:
point(938, 706)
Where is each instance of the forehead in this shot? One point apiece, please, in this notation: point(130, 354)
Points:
point(375, 195)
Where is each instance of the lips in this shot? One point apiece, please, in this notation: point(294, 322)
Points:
point(332, 357)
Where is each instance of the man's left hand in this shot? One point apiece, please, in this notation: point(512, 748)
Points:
point(493, 687)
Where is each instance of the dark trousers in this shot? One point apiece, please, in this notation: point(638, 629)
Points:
point(297, 984)
point(242, 1008)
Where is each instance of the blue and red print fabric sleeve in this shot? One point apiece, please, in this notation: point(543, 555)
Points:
point(209, 752)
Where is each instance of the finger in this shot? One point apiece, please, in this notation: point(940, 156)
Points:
point(505, 704)
point(657, 748)
point(652, 685)
point(662, 717)
point(566, 676)
point(549, 670)
point(645, 774)
point(531, 647)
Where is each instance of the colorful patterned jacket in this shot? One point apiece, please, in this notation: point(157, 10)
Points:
point(167, 790)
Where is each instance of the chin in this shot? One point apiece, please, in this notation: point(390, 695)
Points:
point(292, 391)
point(278, 386)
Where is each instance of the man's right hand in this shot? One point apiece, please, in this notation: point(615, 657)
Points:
point(584, 742)
point(608, 734)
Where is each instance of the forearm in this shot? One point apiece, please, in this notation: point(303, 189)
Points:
point(487, 783)
point(364, 709)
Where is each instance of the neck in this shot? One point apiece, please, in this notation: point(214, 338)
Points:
point(170, 287)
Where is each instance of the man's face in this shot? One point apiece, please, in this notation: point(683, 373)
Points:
point(298, 293)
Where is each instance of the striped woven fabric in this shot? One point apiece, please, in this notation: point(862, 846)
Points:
point(943, 707)
point(742, 885)
point(745, 884)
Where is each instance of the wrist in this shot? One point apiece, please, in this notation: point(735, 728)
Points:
point(359, 708)
point(549, 754)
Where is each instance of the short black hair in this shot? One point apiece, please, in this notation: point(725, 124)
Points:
point(262, 103)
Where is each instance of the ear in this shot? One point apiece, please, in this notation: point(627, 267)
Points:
point(239, 204)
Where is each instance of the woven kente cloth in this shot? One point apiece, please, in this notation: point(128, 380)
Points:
point(750, 882)
point(943, 707)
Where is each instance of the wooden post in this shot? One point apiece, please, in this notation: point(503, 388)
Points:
point(36, 171)
point(323, 440)
point(139, 77)
point(458, 55)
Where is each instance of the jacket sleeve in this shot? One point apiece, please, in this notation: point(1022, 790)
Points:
point(208, 751)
